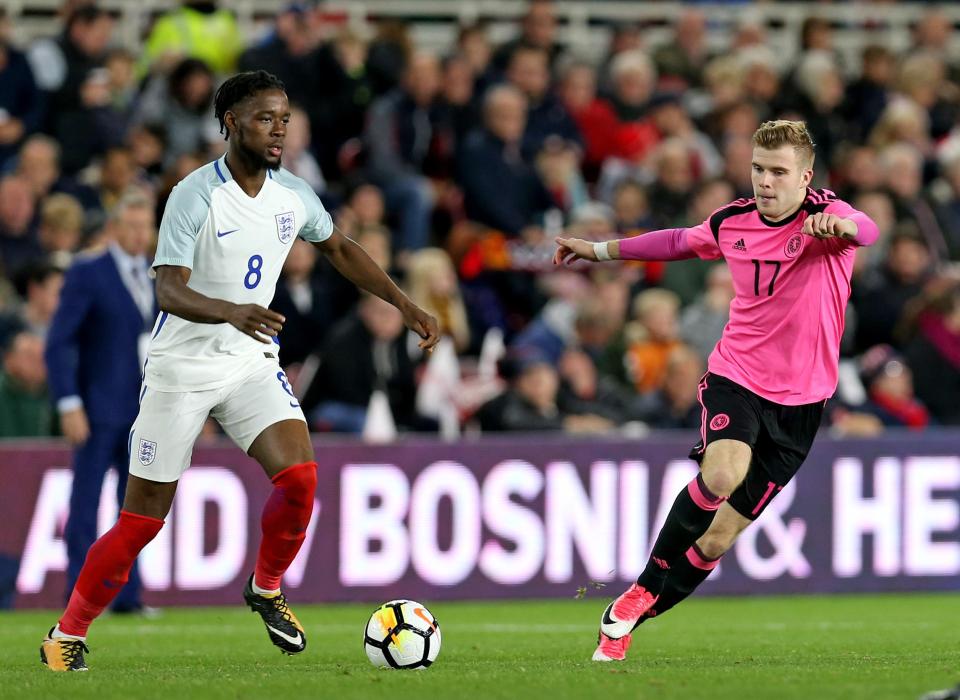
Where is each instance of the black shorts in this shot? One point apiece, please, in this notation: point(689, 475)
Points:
point(779, 435)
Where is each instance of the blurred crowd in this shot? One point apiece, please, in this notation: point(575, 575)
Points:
point(455, 171)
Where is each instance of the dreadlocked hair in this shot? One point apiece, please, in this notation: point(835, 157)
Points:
point(240, 87)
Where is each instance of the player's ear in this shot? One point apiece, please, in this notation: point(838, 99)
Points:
point(230, 121)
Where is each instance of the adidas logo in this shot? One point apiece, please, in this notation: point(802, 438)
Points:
point(740, 245)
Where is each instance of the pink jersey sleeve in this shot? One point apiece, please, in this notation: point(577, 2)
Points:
point(702, 242)
point(867, 231)
point(665, 244)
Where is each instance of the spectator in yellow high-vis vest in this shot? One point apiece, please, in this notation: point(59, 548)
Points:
point(194, 30)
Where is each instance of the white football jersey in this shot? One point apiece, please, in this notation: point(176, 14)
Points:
point(235, 246)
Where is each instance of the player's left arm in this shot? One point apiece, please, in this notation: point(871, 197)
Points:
point(840, 220)
point(353, 263)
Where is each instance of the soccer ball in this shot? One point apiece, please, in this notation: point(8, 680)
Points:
point(402, 634)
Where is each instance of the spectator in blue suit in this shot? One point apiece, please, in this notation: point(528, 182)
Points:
point(94, 364)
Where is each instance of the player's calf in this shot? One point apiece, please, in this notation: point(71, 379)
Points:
point(284, 521)
point(106, 569)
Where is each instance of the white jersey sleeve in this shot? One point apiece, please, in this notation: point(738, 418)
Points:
point(184, 215)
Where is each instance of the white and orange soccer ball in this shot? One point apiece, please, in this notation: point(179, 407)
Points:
point(402, 634)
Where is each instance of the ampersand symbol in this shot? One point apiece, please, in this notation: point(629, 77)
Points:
point(786, 538)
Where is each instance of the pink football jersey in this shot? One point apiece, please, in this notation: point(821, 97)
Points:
point(791, 290)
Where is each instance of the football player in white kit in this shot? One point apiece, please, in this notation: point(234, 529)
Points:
point(225, 233)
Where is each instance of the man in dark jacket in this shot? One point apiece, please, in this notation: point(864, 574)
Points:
point(500, 189)
point(61, 66)
point(532, 401)
point(400, 137)
point(364, 352)
point(547, 117)
point(20, 103)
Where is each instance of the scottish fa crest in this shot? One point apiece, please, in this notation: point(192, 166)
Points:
point(147, 452)
point(285, 226)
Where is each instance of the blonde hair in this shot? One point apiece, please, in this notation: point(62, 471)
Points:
point(727, 71)
point(650, 299)
point(61, 212)
point(921, 69)
point(423, 266)
point(643, 304)
point(781, 132)
point(902, 120)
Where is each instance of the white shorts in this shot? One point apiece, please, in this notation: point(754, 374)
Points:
point(161, 441)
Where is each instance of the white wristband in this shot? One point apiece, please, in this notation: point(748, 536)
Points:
point(601, 251)
point(69, 403)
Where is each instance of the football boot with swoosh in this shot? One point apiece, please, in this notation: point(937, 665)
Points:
point(618, 620)
point(282, 625)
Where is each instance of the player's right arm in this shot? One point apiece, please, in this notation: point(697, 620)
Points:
point(175, 297)
point(665, 244)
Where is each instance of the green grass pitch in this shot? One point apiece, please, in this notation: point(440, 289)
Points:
point(848, 647)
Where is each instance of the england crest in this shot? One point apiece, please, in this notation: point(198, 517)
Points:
point(147, 452)
point(285, 226)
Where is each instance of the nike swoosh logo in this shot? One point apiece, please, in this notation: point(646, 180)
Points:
point(293, 640)
point(607, 620)
point(221, 234)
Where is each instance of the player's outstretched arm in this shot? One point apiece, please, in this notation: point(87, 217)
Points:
point(353, 263)
point(175, 297)
point(572, 249)
point(665, 244)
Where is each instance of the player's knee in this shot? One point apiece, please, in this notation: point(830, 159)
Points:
point(298, 482)
point(148, 498)
point(306, 455)
point(721, 479)
point(725, 465)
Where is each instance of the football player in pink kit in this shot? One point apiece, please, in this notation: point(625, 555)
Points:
point(790, 250)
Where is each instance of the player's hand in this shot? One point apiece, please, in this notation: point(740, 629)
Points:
point(423, 324)
point(823, 225)
point(257, 322)
point(572, 249)
point(75, 426)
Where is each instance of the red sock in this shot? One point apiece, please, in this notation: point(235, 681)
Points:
point(286, 515)
point(105, 570)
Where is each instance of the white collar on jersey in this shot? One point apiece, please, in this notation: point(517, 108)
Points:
point(223, 172)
